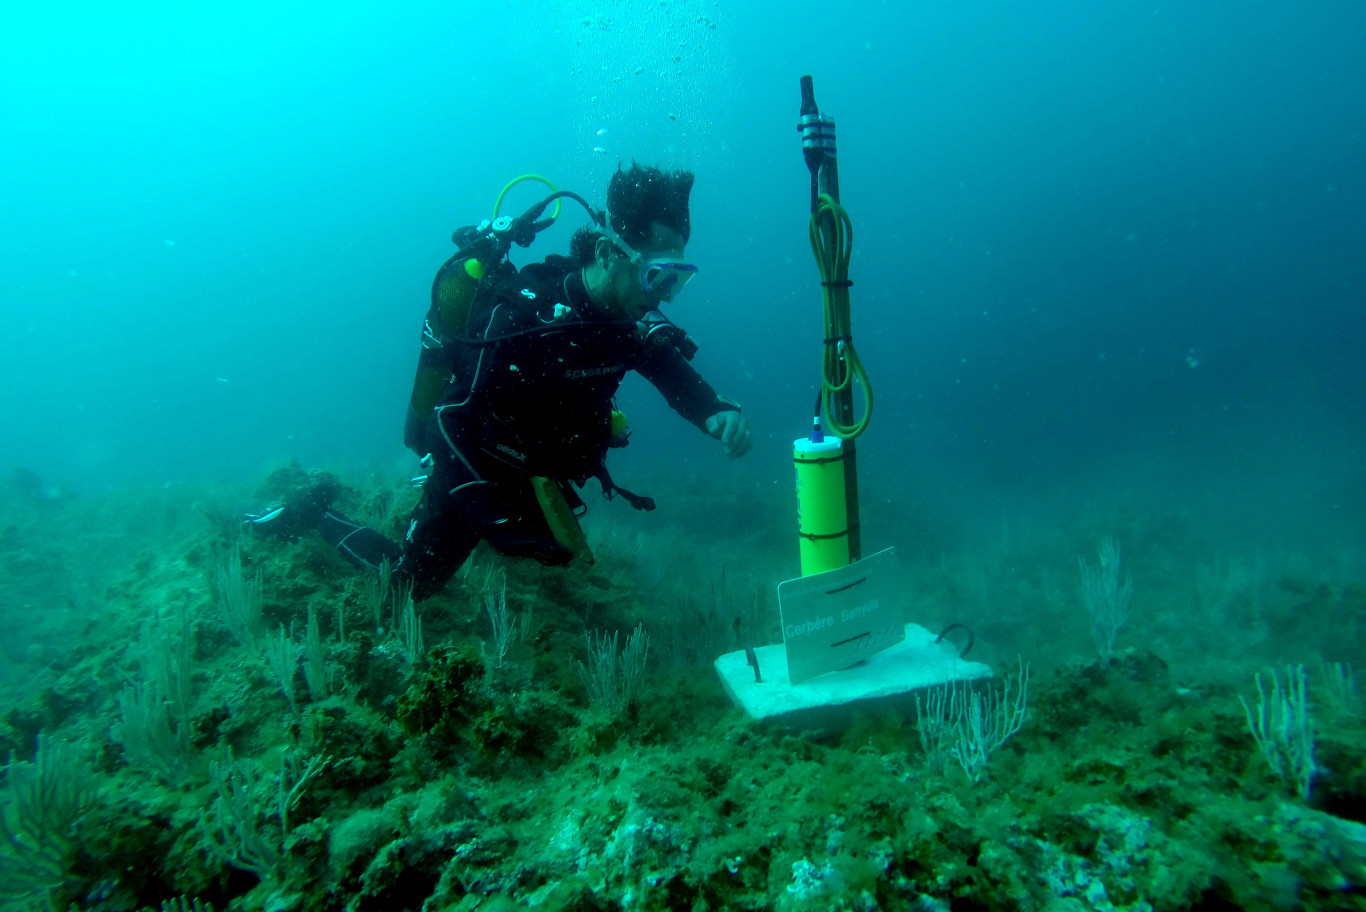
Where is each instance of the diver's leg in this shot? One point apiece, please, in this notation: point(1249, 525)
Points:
point(445, 527)
point(520, 528)
point(301, 510)
point(446, 524)
point(437, 543)
point(362, 546)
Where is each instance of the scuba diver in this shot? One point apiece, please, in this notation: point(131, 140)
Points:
point(513, 401)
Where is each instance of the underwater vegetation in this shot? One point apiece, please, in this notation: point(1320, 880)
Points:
point(196, 718)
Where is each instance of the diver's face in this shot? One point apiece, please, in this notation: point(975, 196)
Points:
point(625, 297)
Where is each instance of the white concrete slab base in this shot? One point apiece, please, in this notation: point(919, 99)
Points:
point(887, 680)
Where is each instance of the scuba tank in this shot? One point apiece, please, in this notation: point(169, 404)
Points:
point(454, 289)
point(479, 260)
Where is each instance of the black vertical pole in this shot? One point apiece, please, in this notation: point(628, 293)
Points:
point(818, 148)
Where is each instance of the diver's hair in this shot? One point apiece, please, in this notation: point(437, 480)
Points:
point(635, 200)
point(641, 196)
point(583, 245)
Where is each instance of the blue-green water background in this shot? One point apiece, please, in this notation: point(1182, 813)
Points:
point(1104, 253)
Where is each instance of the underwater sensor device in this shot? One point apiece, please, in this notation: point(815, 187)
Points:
point(845, 637)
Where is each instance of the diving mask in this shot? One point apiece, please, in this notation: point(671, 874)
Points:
point(663, 279)
point(660, 278)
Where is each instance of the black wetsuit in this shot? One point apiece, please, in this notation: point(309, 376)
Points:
point(533, 398)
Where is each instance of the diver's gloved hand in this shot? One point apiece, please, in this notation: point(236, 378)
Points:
point(731, 428)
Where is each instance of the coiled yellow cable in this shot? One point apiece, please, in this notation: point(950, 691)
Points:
point(832, 239)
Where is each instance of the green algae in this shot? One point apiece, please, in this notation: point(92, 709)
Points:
point(451, 786)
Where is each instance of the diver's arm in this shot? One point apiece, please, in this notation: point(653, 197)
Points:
point(683, 387)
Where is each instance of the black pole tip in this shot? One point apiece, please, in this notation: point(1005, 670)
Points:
point(808, 97)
